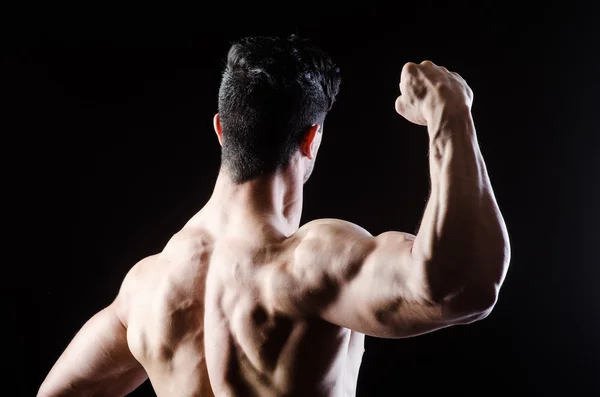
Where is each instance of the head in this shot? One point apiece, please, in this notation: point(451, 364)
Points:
point(274, 96)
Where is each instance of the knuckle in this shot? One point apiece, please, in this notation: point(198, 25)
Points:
point(427, 63)
point(410, 68)
point(442, 87)
point(469, 92)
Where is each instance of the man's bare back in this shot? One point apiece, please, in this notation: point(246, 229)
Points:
point(213, 287)
point(244, 302)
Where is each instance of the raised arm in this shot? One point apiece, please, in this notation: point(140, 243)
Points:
point(98, 362)
point(396, 284)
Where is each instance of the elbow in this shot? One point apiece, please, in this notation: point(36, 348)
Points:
point(484, 301)
point(479, 299)
point(473, 296)
point(479, 313)
point(473, 305)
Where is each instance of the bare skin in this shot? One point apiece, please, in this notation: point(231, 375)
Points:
point(243, 302)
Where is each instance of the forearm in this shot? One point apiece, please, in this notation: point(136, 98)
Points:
point(462, 236)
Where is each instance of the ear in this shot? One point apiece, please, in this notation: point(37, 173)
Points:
point(218, 128)
point(309, 144)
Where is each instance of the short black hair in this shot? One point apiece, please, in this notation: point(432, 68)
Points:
point(272, 90)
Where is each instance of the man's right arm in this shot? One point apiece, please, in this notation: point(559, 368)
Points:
point(396, 284)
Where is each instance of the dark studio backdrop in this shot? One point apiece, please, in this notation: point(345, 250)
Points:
point(114, 124)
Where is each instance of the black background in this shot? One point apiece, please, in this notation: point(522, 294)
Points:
point(110, 149)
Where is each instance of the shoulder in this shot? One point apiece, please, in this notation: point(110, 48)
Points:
point(330, 248)
point(132, 284)
point(138, 273)
point(329, 227)
point(316, 259)
point(330, 240)
point(338, 247)
point(188, 243)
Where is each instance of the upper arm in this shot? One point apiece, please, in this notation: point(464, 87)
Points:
point(98, 360)
point(372, 285)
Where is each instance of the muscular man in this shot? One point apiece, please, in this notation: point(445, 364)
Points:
point(243, 302)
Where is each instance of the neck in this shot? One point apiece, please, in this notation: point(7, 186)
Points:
point(275, 199)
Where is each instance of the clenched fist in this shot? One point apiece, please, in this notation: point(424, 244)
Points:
point(428, 91)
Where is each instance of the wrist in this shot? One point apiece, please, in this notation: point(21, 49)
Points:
point(450, 120)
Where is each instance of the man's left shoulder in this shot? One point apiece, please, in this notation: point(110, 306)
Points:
point(132, 285)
